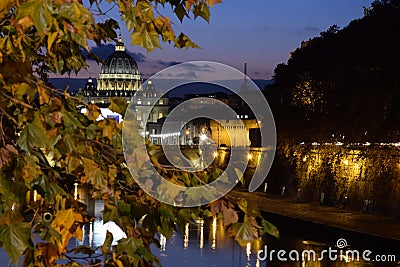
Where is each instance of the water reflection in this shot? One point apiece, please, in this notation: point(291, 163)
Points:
point(205, 243)
point(216, 249)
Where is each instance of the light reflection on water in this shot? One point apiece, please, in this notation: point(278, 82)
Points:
point(206, 243)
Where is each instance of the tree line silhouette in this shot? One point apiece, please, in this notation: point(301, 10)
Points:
point(344, 85)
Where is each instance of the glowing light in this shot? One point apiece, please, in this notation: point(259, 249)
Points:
point(186, 237)
point(201, 234)
point(203, 137)
point(215, 154)
point(305, 158)
point(91, 233)
point(214, 234)
point(163, 242)
point(165, 135)
point(248, 250)
point(34, 195)
point(346, 162)
point(75, 191)
point(249, 156)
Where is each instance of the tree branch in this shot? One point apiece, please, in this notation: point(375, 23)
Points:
point(9, 117)
point(16, 101)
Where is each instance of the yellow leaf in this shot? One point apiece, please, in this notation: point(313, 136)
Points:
point(211, 3)
point(64, 224)
point(119, 263)
point(44, 96)
point(93, 112)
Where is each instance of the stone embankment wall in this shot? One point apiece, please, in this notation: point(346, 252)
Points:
point(365, 178)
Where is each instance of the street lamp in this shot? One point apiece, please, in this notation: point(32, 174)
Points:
point(203, 137)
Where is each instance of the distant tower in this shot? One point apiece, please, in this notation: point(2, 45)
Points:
point(245, 87)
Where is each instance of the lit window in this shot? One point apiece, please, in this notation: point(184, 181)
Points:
point(246, 116)
point(139, 101)
point(160, 115)
point(161, 102)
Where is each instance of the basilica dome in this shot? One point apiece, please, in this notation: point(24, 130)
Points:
point(119, 72)
point(120, 63)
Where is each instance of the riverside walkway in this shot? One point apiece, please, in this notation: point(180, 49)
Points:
point(360, 222)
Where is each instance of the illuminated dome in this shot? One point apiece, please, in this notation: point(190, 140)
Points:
point(119, 72)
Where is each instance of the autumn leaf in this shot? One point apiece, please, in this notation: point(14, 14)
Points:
point(44, 95)
point(130, 246)
point(47, 250)
point(110, 214)
point(33, 135)
point(217, 206)
point(94, 174)
point(211, 3)
point(245, 232)
point(106, 247)
point(15, 239)
point(31, 170)
point(39, 11)
point(230, 217)
point(93, 112)
point(118, 105)
point(270, 229)
point(64, 224)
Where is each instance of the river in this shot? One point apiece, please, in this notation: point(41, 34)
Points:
point(206, 243)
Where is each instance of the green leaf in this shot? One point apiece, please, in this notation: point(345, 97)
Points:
point(106, 247)
point(11, 190)
point(39, 11)
point(245, 232)
point(94, 174)
point(118, 105)
point(270, 229)
point(110, 214)
point(15, 239)
point(84, 249)
point(33, 135)
point(202, 10)
point(180, 12)
point(124, 209)
point(167, 228)
point(129, 246)
point(48, 189)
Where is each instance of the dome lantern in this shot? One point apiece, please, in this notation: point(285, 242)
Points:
point(120, 45)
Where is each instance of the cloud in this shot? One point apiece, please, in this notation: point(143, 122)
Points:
point(104, 51)
point(167, 63)
point(190, 74)
point(197, 67)
point(312, 29)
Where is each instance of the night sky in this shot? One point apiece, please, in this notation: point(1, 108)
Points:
point(259, 32)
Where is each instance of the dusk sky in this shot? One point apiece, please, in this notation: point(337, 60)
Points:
point(259, 32)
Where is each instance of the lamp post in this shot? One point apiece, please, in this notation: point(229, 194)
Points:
point(187, 136)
